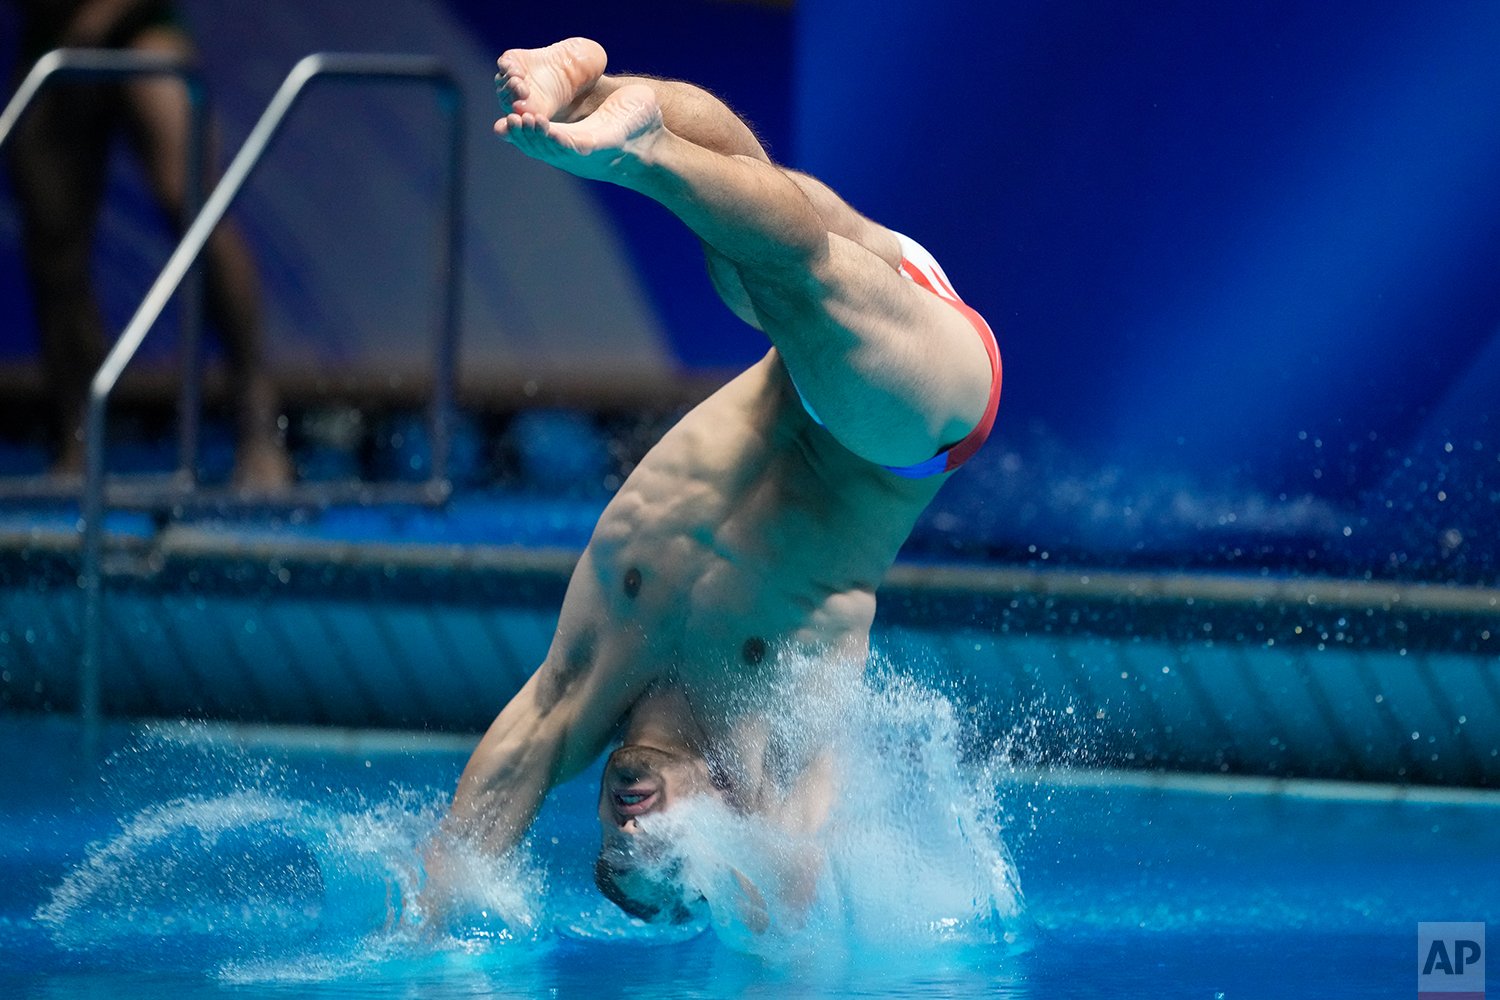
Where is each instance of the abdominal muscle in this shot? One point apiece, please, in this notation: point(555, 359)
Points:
point(746, 542)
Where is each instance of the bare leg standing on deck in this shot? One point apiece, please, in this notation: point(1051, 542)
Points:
point(58, 165)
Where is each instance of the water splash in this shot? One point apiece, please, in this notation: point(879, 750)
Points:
point(244, 874)
point(910, 856)
point(192, 866)
point(266, 871)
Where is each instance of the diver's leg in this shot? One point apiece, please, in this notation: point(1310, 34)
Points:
point(893, 372)
point(566, 82)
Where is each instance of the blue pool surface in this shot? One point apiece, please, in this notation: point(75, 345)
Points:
point(199, 862)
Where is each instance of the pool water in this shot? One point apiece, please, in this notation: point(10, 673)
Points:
point(198, 862)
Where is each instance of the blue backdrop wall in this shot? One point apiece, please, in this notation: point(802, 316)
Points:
point(1239, 251)
point(1242, 257)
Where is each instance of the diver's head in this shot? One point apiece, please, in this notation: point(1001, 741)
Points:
point(638, 871)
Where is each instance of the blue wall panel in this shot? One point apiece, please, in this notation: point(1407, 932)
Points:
point(1234, 250)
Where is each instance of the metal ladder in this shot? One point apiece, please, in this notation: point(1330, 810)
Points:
point(180, 491)
point(97, 65)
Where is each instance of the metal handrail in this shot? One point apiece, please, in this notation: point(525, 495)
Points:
point(108, 64)
point(397, 68)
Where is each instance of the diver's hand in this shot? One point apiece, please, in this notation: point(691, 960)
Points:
point(443, 862)
point(753, 911)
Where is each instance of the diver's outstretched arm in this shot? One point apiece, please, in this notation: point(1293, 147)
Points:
point(553, 728)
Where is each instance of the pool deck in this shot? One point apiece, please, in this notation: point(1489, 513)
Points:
point(329, 622)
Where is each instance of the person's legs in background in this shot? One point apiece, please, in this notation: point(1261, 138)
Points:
point(57, 164)
point(158, 117)
point(59, 160)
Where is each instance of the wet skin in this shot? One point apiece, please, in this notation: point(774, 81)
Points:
point(734, 573)
point(741, 555)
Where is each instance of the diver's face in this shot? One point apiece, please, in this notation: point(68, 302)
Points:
point(639, 780)
point(635, 870)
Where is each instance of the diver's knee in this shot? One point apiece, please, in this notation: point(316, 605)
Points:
point(787, 299)
point(725, 278)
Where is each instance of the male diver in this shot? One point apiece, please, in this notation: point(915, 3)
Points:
point(752, 537)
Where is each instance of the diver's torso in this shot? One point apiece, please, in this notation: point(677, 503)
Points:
point(746, 541)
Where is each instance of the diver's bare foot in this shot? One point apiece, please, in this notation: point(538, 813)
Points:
point(620, 131)
point(548, 82)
